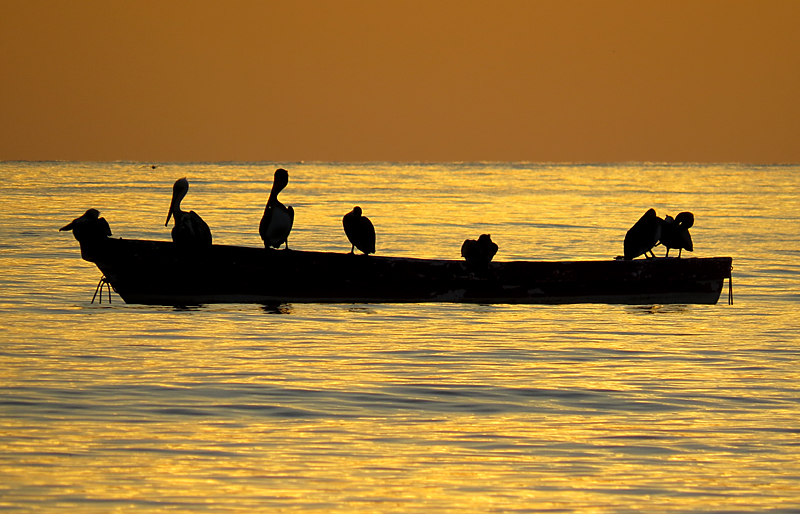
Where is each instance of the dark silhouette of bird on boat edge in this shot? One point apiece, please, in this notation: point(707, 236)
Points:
point(89, 227)
point(479, 253)
point(652, 230)
point(277, 221)
point(189, 229)
point(359, 231)
point(675, 233)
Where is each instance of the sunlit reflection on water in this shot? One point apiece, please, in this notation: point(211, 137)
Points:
point(401, 408)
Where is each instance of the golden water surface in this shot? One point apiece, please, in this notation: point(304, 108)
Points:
point(401, 408)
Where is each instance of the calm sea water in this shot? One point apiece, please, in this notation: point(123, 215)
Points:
point(401, 408)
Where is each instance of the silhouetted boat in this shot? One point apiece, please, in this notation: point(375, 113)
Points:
point(166, 273)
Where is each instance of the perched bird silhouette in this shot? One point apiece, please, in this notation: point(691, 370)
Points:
point(675, 233)
point(276, 223)
point(88, 227)
point(189, 226)
point(643, 236)
point(480, 252)
point(359, 230)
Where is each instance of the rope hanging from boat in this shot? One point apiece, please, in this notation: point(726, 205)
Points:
point(103, 282)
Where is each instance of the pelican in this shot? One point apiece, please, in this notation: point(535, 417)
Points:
point(90, 226)
point(675, 233)
point(479, 252)
point(360, 231)
point(278, 219)
point(643, 236)
point(189, 226)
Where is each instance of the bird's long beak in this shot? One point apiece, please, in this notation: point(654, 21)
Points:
point(66, 227)
point(169, 214)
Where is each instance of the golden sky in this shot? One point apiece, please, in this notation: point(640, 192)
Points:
point(376, 80)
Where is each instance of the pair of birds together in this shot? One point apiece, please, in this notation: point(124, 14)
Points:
point(191, 229)
point(277, 221)
point(651, 231)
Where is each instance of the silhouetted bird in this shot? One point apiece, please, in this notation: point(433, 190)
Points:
point(276, 224)
point(480, 252)
point(359, 230)
point(189, 226)
point(643, 236)
point(675, 233)
point(88, 227)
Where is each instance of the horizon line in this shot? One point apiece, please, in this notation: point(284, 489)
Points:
point(356, 162)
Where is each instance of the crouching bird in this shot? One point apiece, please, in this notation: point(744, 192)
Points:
point(189, 226)
point(359, 230)
point(88, 227)
point(480, 252)
point(675, 232)
point(643, 236)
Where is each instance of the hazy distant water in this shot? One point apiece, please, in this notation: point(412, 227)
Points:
point(401, 408)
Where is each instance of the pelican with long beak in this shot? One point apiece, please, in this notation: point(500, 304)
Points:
point(675, 233)
point(643, 236)
point(189, 226)
point(88, 227)
point(276, 224)
point(359, 231)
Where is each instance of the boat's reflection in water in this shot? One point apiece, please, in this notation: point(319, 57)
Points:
point(188, 308)
point(658, 309)
point(362, 309)
point(269, 308)
point(276, 308)
point(287, 308)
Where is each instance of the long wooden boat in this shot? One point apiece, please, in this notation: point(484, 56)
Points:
point(165, 273)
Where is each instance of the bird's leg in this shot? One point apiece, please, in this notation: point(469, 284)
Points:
point(667, 252)
point(353, 249)
point(680, 251)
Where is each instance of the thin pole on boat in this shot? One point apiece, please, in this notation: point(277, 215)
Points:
point(730, 287)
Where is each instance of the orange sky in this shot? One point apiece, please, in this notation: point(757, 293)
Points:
point(547, 81)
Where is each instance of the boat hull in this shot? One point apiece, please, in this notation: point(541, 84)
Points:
point(164, 273)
